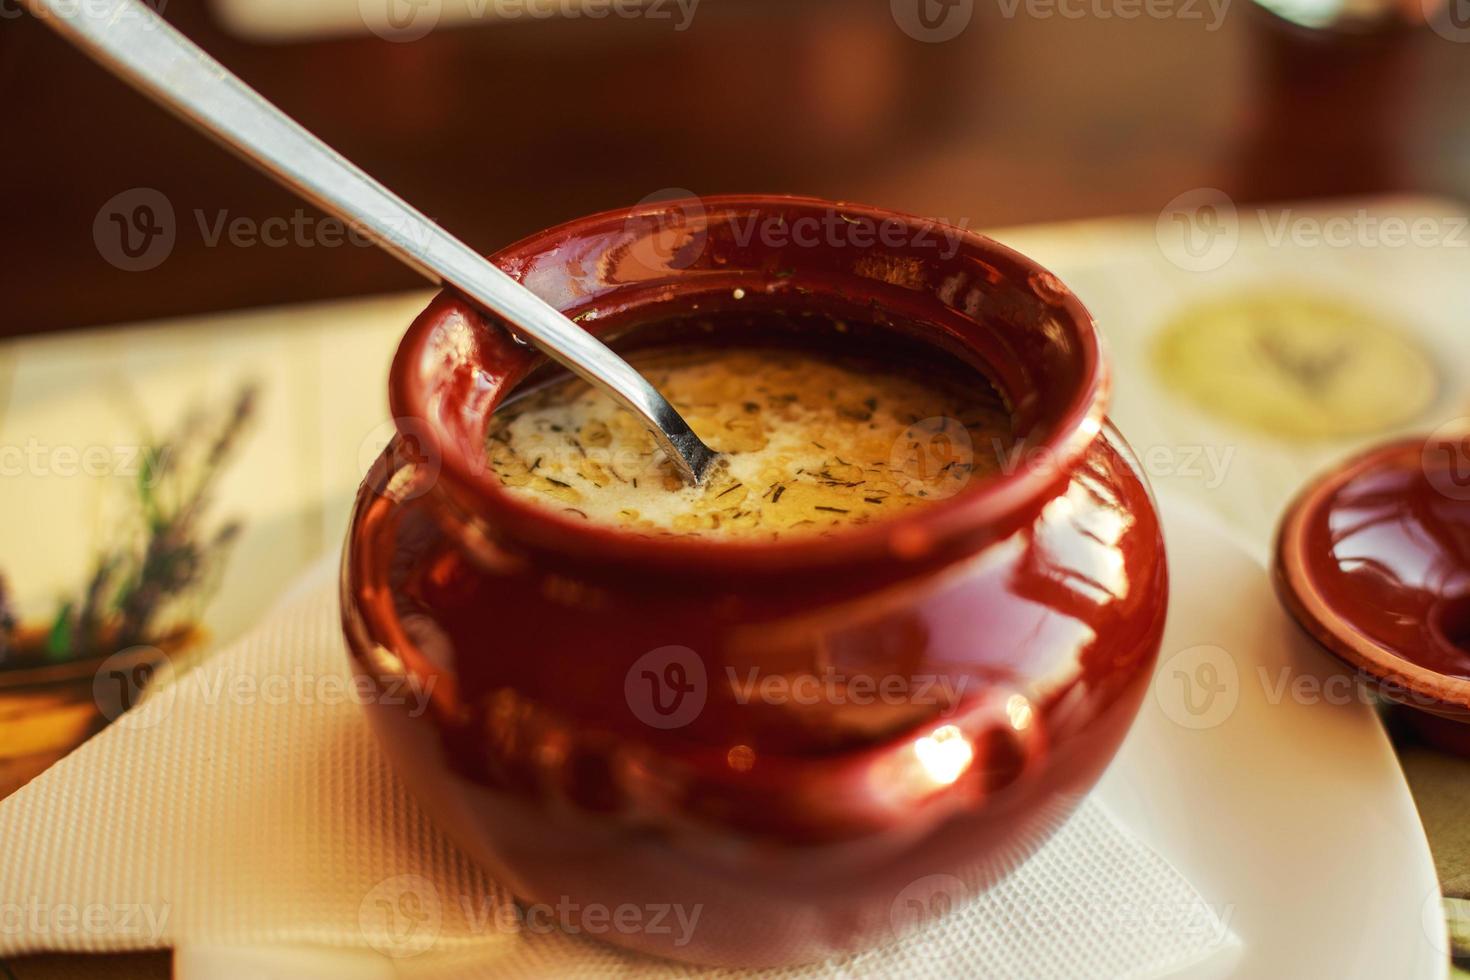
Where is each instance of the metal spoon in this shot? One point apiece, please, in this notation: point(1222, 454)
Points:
point(134, 43)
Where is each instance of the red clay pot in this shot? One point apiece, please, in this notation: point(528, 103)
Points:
point(1373, 561)
point(807, 746)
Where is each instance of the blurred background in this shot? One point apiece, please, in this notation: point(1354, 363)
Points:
point(497, 120)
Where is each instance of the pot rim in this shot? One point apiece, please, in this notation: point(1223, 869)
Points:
point(478, 500)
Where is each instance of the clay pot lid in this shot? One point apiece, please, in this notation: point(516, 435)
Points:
point(1373, 560)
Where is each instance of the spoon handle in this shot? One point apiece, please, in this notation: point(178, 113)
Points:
point(130, 40)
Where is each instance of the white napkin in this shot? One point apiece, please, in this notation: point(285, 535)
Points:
point(246, 804)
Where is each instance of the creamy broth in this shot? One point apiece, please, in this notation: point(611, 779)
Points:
point(809, 444)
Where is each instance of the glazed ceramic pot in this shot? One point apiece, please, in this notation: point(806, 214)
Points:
point(1373, 561)
point(808, 745)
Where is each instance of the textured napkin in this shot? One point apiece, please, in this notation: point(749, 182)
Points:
point(246, 804)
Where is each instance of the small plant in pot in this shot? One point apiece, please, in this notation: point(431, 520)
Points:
point(64, 677)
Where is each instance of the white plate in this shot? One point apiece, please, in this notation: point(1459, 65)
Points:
point(1288, 813)
point(1279, 796)
point(1119, 268)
